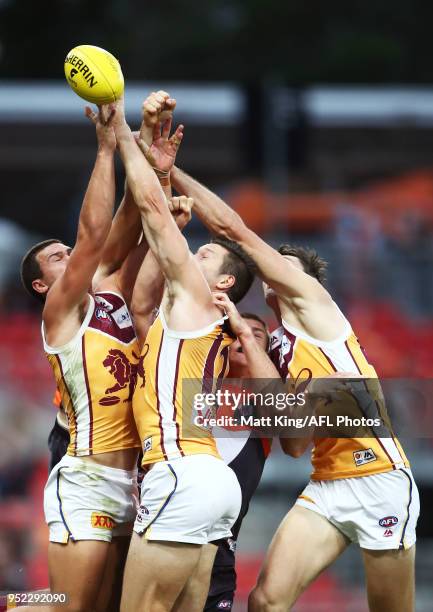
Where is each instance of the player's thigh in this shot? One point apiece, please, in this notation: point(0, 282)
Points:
point(111, 583)
point(156, 573)
point(77, 569)
point(304, 545)
point(390, 578)
point(194, 594)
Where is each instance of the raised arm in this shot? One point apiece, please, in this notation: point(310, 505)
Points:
point(123, 237)
point(121, 258)
point(261, 368)
point(67, 298)
point(185, 282)
point(149, 287)
point(273, 268)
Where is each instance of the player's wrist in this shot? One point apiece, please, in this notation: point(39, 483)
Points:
point(105, 150)
point(122, 131)
point(245, 336)
point(163, 177)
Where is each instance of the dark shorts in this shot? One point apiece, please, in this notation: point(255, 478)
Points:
point(248, 467)
point(58, 441)
point(223, 601)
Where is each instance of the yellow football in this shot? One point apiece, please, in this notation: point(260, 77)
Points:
point(94, 74)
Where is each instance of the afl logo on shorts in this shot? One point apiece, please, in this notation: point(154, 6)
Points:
point(388, 521)
point(225, 604)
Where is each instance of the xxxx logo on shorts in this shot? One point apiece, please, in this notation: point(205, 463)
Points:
point(102, 520)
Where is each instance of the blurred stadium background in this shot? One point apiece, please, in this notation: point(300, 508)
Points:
point(315, 121)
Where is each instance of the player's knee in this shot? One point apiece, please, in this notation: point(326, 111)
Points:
point(262, 600)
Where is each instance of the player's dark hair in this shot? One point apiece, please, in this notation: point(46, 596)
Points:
point(251, 315)
point(254, 317)
point(311, 262)
point(237, 263)
point(30, 269)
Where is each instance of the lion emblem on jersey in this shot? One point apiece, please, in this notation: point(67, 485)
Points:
point(125, 374)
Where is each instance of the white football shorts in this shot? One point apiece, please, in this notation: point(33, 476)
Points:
point(87, 501)
point(194, 499)
point(377, 512)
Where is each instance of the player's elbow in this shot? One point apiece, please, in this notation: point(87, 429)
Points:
point(92, 234)
point(231, 226)
point(148, 196)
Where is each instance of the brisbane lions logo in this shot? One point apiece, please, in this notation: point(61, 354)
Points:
point(125, 374)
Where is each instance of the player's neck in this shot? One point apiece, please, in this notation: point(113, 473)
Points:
point(273, 305)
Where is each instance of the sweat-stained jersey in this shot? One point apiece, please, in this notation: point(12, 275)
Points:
point(96, 373)
point(176, 367)
point(300, 356)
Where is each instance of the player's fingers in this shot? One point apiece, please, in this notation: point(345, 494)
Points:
point(184, 204)
point(163, 94)
point(160, 100)
point(110, 117)
point(176, 139)
point(104, 113)
point(90, 114)
point(166, 127)
point(151, 108)
point(221, 298)
point(143, 146)
point(170, 103)
point(174, 203)
point(157, 130)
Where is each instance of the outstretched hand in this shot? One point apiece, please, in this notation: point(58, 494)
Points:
point(103, 120)
point(161, 154)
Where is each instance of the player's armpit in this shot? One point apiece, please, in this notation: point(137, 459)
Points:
point(295, 447)
point(177, 263)
point(147, 295)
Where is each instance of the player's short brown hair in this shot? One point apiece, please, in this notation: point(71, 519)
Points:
point(311, 262)
point(30, 269)
point(237, 263)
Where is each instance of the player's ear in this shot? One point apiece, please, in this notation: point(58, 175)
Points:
point(225, 282)
point(39, 286)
